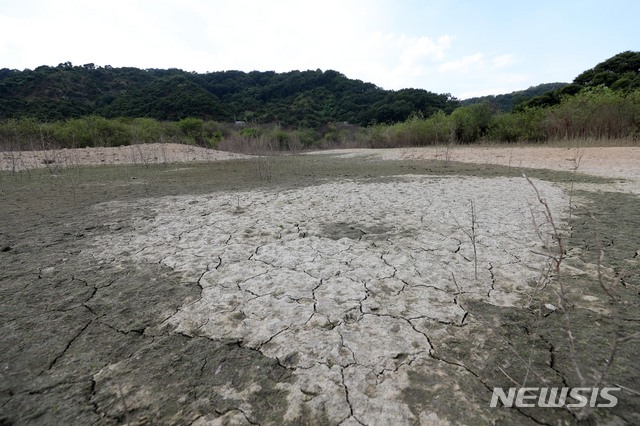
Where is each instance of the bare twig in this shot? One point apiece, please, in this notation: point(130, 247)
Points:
point(472, 234)
point(456, 284)
point(509, 377)
point(626, 388)
point(556, 257)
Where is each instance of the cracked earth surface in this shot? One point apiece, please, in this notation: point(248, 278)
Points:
point(334, 301)
point(340, 282)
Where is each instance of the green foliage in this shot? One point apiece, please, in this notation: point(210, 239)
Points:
point(620, 73)
point(624, 66)
point(89, 131)
point(519, 126)
point(193, 129)
point(250, 133)
point(509, 101)
point(598, 112)
point(416, 131)
point(19, 134)
point(296, 99)
point(593, 113)
point(72, 106)
point(471, 123)
point(146, 130)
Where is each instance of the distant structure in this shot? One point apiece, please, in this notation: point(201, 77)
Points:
point(240, 123)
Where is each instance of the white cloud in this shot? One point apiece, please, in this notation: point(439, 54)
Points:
point(502, 61)
point(400, 61)
point(197, 35)
point(463, 65)
point(417, 49)
point(500, 83)
point(354, 37)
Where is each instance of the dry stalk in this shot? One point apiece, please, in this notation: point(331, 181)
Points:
point(143, 158)
point(556, 258)
point(576, 164)
point(163, 150)
point(447, 155)
point(14, 160)
point(472, 234)
point(577, 159)
point(456, 284)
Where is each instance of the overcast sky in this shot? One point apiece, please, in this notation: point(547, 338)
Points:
point(466, 48)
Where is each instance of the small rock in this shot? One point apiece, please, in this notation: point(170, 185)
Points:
point(550, 307)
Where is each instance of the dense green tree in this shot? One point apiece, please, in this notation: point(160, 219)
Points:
point(625, 65)
point(296, 98)
point(620, 72)
point(471, 123)
point(509, 101)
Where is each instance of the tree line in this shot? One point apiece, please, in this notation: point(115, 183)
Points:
point(299, 99)
point(596, 113)
point(301, 110)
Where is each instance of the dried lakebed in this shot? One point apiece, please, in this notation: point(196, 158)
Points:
point(339, 282)
point(343, 302)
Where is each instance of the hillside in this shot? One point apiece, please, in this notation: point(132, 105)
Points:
point(620, 73)
point(296, 98)
point(508, 101)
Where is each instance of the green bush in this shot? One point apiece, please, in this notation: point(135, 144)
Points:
point(90, 131)
point(146, 130)
point(471, 123)
point(520, 126)
point(597, 113)
point(416, 131)
point(251, 133)
point(193, 129)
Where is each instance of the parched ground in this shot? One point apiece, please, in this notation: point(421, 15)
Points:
point(349, 287)
point(141, 154)
point(621, 162)
point(612, 162)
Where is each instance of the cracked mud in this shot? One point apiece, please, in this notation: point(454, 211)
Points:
point(338, 282)
point(342, 302)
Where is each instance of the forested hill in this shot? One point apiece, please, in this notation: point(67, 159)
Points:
point(296, 98)
point(508, 101)
point(620, 73)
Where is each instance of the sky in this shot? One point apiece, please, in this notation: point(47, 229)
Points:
point(463, 47)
